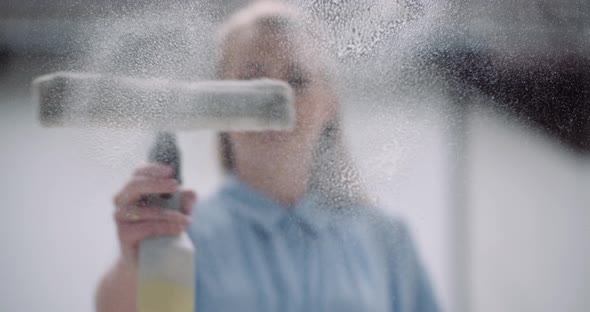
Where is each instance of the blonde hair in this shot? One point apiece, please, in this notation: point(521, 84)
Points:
point(333, 172)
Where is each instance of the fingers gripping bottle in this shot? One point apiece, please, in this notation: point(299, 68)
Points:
point(166, 275)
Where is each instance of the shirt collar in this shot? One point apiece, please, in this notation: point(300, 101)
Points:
point(313, 212)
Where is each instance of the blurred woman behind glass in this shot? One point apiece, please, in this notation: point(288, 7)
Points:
point(289, 229)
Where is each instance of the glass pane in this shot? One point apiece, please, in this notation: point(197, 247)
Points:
point(438, 159)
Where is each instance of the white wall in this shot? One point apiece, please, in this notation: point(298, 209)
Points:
point(530, 209)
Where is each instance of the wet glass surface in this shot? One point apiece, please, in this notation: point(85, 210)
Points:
point(468, 121)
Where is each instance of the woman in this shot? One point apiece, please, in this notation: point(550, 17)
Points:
point(290, 229)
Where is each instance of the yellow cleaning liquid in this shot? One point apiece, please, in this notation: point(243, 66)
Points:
point(162, 296)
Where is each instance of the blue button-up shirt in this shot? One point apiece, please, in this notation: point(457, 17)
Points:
point(254, 254)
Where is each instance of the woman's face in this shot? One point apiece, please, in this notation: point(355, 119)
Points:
point(259, 54)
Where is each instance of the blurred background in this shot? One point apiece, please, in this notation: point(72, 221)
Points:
point(469, 119)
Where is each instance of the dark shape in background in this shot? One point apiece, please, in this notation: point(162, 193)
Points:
point(553, 95)
point(532, 58)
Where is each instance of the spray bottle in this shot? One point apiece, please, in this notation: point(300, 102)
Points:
point(166, 277)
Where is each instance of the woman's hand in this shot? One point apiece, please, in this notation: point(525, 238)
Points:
point(137, 220)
